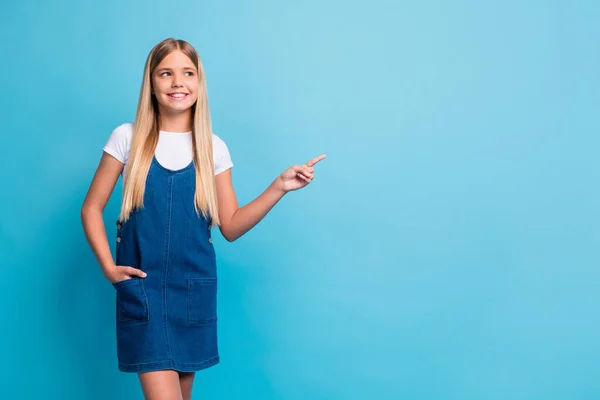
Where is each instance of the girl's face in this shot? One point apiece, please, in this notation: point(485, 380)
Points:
point(175, 83)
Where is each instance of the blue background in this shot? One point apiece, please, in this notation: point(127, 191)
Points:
point(447, 249)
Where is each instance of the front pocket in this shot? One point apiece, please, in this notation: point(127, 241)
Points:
point(202, 301)
point(132, 302)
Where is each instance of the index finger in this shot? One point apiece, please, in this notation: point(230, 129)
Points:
point(315, 160)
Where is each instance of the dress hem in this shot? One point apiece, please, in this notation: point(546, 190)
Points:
point(169, 364)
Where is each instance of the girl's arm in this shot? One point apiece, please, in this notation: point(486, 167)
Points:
point(235, 221)
point(99, 193)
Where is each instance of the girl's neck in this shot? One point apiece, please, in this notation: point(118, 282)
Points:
point(175, 123)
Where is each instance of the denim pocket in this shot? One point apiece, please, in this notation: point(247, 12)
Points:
point(132, 302)
point(202, 301)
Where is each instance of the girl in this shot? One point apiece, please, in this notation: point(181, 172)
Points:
point(176, 186)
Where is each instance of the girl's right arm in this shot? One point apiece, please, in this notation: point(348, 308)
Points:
point(99, 193)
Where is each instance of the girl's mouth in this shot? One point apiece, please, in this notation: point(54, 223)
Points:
point(178, 96)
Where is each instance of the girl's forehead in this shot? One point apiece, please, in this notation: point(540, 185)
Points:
point(176, 59)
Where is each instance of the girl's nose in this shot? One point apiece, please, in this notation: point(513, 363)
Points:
point(177, 81)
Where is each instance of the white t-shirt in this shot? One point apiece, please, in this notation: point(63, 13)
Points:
point(173, 151)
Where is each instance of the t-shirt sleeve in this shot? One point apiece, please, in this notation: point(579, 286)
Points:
point(221, 155)
point(119, 142)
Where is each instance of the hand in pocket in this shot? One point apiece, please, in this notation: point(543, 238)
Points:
point(124, 272)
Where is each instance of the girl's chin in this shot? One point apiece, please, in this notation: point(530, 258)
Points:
point(175, 109)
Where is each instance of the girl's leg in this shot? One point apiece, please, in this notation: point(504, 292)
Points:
point(160, 385)
point(186, 379)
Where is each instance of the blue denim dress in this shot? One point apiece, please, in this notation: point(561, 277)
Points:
point(167, 320)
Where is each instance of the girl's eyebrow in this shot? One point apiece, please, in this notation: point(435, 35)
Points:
point(169, 69)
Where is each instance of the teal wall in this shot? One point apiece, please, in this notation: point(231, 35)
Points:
point(447, 249)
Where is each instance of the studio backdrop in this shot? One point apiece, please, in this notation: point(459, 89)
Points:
point(447, 249)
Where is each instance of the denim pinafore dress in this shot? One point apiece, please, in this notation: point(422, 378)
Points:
point(167, 320)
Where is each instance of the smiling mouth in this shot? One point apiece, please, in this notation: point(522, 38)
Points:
point(178, 96)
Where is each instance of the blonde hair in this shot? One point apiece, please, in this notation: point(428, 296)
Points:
point(146, 131)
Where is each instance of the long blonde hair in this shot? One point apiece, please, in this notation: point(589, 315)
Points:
point(146, 131)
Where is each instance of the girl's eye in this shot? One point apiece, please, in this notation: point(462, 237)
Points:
point(189, 73)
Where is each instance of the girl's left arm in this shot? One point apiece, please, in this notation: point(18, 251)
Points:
point(235, 221)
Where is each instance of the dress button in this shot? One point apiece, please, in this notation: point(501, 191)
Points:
point(118, 239)
point(210, 240)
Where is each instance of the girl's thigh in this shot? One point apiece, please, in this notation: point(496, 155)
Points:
point(186, 380)
point(161, 385)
